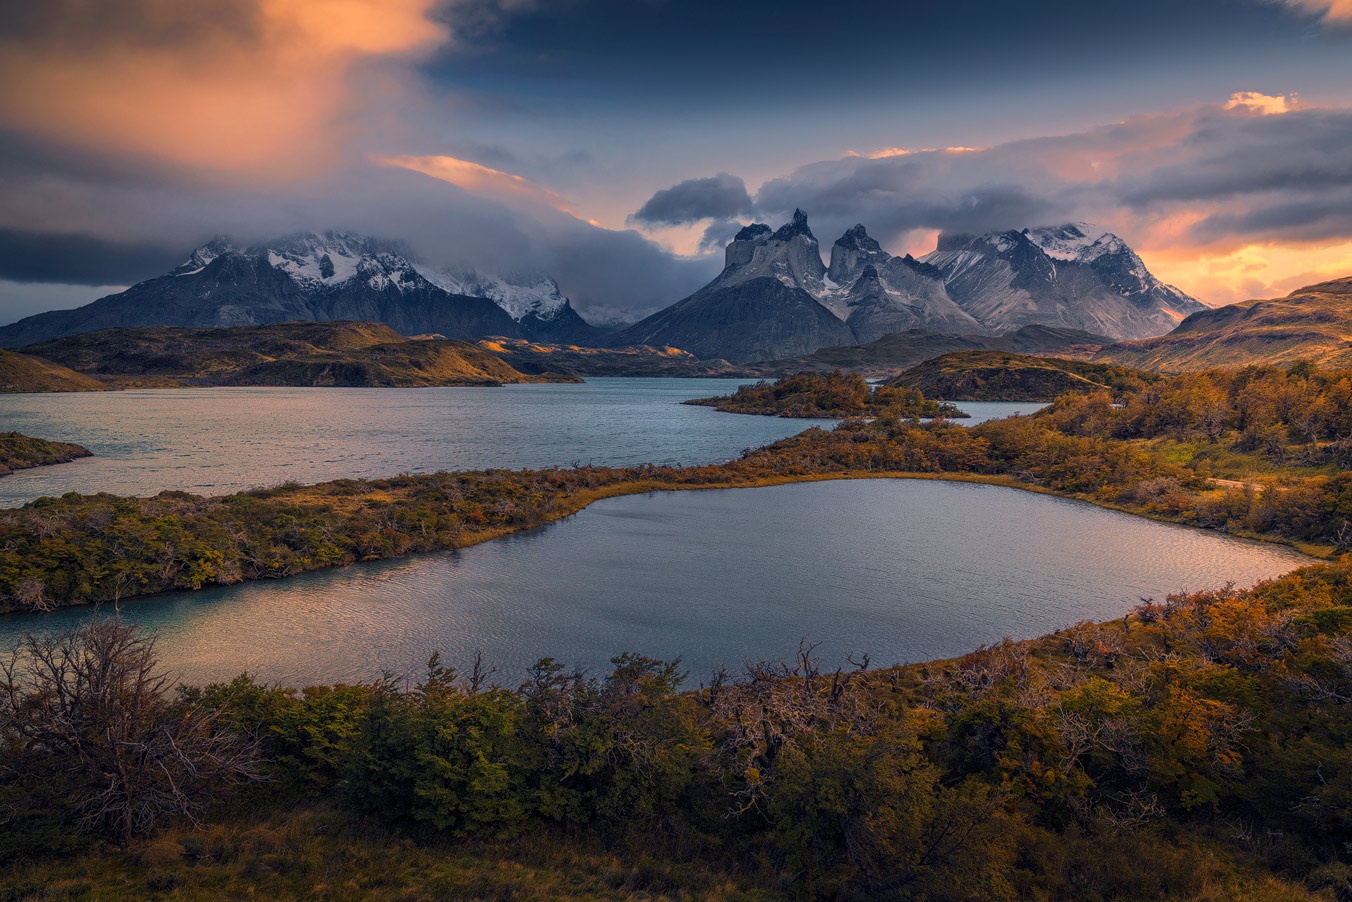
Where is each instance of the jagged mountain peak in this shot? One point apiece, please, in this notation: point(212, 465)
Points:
point(202, 256)
point(795, 226)
point(852, 250)
point(859, 238)
point(753, 232)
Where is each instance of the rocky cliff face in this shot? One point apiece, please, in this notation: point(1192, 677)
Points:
point(1073, 275)
point(317, 277)
point(775, 298)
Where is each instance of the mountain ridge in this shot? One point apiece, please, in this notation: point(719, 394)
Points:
point(313, 276)
point(775, 298)
point(1312, 323)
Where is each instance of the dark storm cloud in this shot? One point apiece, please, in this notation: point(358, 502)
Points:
point(143, 232)
point(1306, 150)
point(722, 196)
point(80, 259)
point(719, 233)
point(1312, 217)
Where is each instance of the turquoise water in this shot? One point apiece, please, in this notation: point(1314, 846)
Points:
point(903, 570)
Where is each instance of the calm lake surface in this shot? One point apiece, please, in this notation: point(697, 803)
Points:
point(213, 441)
point(904, 570)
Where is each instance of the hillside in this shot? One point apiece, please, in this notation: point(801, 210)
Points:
point(299, 354)
point(573, 360)
point(1001, 376)
point(26, 373)
point(895, 353)
point(21, 452)
point(1312, 323)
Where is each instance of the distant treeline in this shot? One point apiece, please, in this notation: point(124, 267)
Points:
point(1258, 451)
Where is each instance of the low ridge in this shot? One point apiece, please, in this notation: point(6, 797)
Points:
point(301, 354)
point(1313, 323)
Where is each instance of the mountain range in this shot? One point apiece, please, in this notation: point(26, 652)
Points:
point(321, 277)
point(775, 297)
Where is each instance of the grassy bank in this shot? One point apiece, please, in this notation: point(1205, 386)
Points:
point(1193, 751)
point(1156, 452)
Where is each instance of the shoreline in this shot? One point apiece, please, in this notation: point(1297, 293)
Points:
point(574, 504)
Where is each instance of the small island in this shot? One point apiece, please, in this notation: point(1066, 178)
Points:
point(23, 452)
point(829, 396)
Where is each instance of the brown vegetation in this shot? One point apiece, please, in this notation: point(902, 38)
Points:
point(1001, 376)
point(1192, 750)
point(1310, 324)
point(20, 452)
point(26, 373)
point(828, 395)
point(1154, 451)
point(303, 353)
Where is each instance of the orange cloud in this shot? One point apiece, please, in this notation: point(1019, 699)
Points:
point(262, 92)
point(1264, 104)
point(902, 151)
point(1251, 270)
point(478, 179)
point(1333, 12)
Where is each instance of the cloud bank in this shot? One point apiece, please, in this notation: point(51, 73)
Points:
point(130, 132)
point(1201, 183)
point(721, 196)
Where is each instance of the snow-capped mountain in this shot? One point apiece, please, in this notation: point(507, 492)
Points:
point(775, 298)
point(1075, 275)
point(878, 294)
point(307, 276)
point(533, 300)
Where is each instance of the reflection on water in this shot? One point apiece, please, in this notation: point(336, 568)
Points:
point(902, 569)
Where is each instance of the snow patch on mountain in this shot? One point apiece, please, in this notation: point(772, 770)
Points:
point(202, 257)
point(318, 261)
point(1070, 241)
point(521, 295)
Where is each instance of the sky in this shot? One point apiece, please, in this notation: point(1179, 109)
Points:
point(617, 144)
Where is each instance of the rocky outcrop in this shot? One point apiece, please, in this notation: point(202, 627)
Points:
point(775, 298)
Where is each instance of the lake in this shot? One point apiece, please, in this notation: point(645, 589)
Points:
point(219, 440)
point(904, 570)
